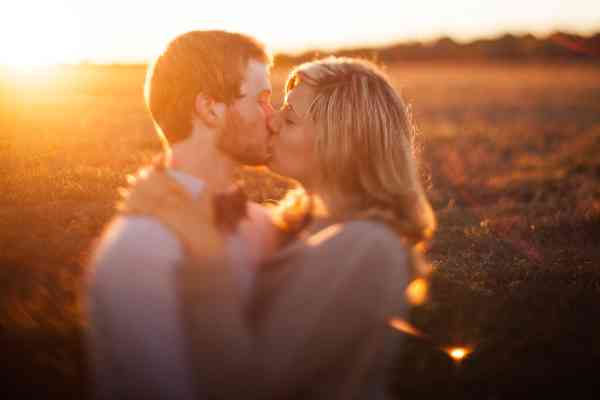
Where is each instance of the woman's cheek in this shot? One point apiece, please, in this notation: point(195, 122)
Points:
point(286, 140)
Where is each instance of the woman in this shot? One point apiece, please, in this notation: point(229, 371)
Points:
point(316, 325)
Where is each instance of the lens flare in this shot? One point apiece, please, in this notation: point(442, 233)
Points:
point(458, 353)
point(416, 292)
point(405, 327)
point(38, 35)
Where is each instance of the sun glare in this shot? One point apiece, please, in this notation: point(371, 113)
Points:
point(416, 292)
point(37, 34)
point(458, 353)
point(404, 326)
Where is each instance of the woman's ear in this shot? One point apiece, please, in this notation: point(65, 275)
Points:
point(211, 112)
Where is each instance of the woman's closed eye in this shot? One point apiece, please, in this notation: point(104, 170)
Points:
point(286, 110)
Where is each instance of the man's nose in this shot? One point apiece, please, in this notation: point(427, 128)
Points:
point(269, 109)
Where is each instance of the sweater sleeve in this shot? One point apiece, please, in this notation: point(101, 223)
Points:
point(259, 233)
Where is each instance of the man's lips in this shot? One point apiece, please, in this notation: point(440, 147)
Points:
point(269, 153)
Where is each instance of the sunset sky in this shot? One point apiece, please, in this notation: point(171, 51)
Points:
point(41, 32)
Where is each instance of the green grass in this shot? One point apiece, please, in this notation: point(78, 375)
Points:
point(511, 154)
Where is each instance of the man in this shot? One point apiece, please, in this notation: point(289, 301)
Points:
point(209, 97)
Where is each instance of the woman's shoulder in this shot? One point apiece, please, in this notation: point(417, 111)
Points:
point(367, 230)
point(370, 227)
point(361, 238)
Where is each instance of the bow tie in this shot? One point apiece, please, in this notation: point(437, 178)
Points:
point(230, 208)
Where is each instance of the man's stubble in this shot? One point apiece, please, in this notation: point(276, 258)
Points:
point(235, 141)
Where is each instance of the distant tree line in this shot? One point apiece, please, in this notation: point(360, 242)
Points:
point(559, 46)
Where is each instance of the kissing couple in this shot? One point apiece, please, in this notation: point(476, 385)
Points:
point(196, 292)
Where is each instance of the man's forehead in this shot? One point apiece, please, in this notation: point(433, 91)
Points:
point(256, 78)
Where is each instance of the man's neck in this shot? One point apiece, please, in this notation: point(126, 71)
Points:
point(198, 157)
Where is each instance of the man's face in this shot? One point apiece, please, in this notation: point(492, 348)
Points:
point(245, 134)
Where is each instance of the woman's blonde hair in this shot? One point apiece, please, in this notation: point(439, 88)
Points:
point(365, 143)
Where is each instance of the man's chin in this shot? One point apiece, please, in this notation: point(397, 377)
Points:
point(272, 165)
point(251, 159)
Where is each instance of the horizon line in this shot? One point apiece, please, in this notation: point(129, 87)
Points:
point(367, 45)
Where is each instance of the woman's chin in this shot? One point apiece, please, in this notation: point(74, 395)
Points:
point(273, 165)
point(278, 167)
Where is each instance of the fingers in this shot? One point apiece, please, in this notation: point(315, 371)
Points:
point(130, 179)
point(123, 192)
point(149, 190)
point(153, 192)
point(159, 162)
point(155, 183)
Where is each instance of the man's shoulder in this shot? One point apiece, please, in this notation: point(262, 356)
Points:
point(131, 239)
point(135, 229)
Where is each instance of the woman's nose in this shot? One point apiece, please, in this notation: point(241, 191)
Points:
point(273, 122)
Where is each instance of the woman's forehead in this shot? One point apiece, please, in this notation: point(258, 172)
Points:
point(300, 98)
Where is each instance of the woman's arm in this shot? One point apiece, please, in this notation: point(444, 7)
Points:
point(259, 233)
point(193, 220)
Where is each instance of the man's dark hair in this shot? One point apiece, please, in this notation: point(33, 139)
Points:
point(207, 62)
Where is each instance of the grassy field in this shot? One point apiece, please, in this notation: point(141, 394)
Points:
point(512, 154)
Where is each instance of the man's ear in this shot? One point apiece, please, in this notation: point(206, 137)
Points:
point(211, 112)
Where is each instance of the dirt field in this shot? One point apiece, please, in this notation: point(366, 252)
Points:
point(512, 153)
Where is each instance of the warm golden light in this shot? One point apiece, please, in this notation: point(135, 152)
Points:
point(458, 353)
point(324, 235)
point(405, 327)
point(37, 34)
point(417, 290)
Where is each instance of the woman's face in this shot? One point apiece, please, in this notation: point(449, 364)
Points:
point(293, 139)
